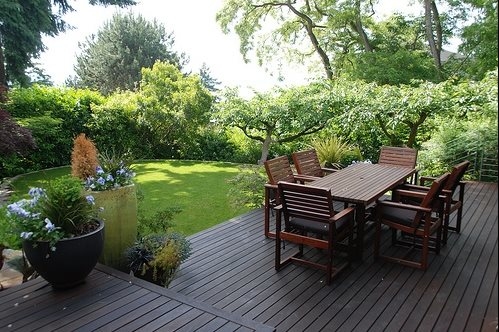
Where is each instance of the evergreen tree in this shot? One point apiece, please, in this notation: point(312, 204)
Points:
point(123, 46)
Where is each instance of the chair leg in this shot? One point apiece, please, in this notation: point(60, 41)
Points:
point(278, 244)
point(438, 239)
point(458, 219)
point(394, 236)
point(424, 252)
point(377, 239)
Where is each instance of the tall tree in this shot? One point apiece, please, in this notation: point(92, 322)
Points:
point(328, 26)
point(343, 34)
point(480, 39)
point(123, 46)
point(279, 116)
point(172, 107)
point(433, 28)
point(22, 25)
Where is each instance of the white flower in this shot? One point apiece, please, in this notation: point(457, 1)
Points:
point(26, 235)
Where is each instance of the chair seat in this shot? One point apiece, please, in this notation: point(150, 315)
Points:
point(317, 227)
point(402, 216)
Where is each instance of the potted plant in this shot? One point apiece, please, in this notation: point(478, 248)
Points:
point(62, 237)
point(156, 257)
point(109, 179)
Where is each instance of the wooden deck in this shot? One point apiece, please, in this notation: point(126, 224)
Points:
point(110, 300)
point(229, 283)
point(232, 268)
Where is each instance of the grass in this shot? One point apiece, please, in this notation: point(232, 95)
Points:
point(199, 189)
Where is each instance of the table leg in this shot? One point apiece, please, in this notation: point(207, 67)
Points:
point(360, 221)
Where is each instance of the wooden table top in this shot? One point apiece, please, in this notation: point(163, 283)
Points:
point(363, 183)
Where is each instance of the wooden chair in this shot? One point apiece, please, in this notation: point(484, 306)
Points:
point(307, 163)
point(399, 156)
point(452, 203)
point(278, 169)
point(310, 220)
point(419, 221)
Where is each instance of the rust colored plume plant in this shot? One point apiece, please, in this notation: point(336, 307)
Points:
point(84, 159)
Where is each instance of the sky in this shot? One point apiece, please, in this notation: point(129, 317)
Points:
point(196, 33)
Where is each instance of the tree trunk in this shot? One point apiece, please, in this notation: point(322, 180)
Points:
point(265, 148)
point(357, 26)
point(309, 27)
point(433, 30)
point(413, 127)
point(3, 75)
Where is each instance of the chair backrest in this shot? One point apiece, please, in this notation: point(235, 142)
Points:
point(398, 156)
point(435, 190)
point(307, 163)
point(306, 202)
point(456, 175)
point(279, 169)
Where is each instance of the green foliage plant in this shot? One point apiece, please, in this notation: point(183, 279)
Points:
point(9, 238)
point(61, 210)
point(246, 188)
point(333, 152)
point(158, 222)
point(156, 257)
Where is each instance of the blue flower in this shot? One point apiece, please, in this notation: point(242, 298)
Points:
point(99, 170)
point(49, 226)
point(101, 181)
point(90, 199)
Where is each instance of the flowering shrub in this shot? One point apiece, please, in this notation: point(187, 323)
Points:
point(62, 210)
point(110, 179)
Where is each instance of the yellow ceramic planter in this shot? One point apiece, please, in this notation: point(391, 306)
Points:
point(120, 218)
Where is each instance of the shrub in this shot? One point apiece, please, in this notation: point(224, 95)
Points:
point(247, 187)
point(334, 152)
point(159, 222)
point(156, 257)
point(13, 137)
point(83, 157)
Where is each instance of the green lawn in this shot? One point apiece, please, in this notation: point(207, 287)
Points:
point(198, 188)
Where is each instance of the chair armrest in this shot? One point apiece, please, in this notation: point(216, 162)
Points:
point(270, 186)
point(408, 193)
point(305, 178)
point(403, 206)
point(328, 170)
point(345, 213)
point(407, 186)
point(424, 179)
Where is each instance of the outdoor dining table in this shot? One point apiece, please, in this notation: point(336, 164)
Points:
point(361, 184)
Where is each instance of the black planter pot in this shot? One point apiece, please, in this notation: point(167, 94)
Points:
point(71, 262)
